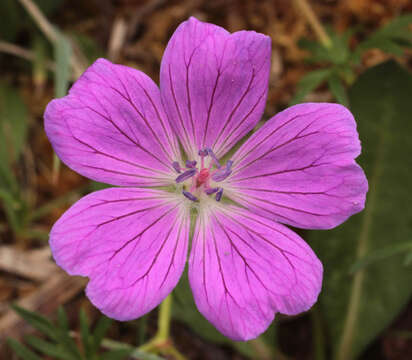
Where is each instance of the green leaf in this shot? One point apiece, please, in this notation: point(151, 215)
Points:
point(13, 124)
point(338, 90)
point(116, 354)
point(37, 321)
point(95, 186)
point(358, 307)
point(308, 83)
point(13, 136)
point(135, 353)
point(408, 259)
point(387, 45)
point(85, 334)
point(337, 53)
point(318, 53)
point(381, 254)
point(22, 351)
point(63, 335)
point(100, 331)
point(62, 54)
point(48, 348)
point(391, 38)
point(397, 28)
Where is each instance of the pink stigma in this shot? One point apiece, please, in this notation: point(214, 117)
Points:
point(203, 177)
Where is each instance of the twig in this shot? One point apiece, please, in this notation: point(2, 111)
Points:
point(51, 33)
point(45, 26)
point(314, 22)
point(18, 51)
point(117, 38)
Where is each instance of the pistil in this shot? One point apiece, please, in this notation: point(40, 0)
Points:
point(201, 177)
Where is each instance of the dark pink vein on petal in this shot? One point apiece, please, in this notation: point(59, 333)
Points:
point(108, 155)
point(183, 127)
point(265, 200)
point(129, 100)
point(269, 135)
point(296, 137)
point(230, 117)
point(174, 252)
point(246, 264)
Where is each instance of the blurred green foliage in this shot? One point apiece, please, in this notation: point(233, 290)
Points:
point(60, 342)
point(185, 310)
point(13, 135)
point(367, 281)
point(358, 305)
point(339, 61)
point(366, 284)
point(18, 19)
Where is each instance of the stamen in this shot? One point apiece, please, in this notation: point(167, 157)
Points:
point(190, 196)
point(176, 166)
point(219, 194)
point(186, 175)
point(214, 158)
point(223, 173)
point(191, 164)
point(211, 191)
point(203, 153)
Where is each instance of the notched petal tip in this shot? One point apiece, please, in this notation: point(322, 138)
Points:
point(244, 268)
point(299, 168)
point(112, 128)
point(235, 82)
point(131, 243)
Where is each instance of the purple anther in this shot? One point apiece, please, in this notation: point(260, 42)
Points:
point(222, 174)
point(176, 166)
point(219, 194)
point(211, 191)
point(190, 196)
point(186, 175)
point(191, 164)
point(213, 156)
point(203, 153)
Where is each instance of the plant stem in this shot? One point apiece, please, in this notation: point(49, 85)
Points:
point(161, 342)
point(344, 348)
point(20, 52)
point(314, 22)
point(163, 321)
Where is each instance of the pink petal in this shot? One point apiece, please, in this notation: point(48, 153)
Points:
point(299, 168)
point(244, 268)
point(112, 127)
point(131, 243)
point(214, 84)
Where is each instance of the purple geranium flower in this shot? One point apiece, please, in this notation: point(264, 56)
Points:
point(117, 127)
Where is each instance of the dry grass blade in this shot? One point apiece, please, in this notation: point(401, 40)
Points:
point(34, 265)
point(57, 290)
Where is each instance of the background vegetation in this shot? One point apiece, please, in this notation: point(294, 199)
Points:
point(356, 52)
